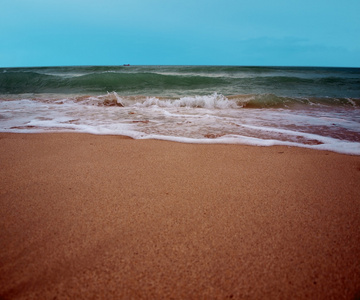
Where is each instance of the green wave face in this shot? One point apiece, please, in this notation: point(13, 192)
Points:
point(184, 80)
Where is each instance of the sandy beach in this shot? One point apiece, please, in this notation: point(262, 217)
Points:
point(108, 217)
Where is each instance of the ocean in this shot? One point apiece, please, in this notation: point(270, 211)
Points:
point(310, 107)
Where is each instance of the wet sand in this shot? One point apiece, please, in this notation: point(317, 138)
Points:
point(108, 217)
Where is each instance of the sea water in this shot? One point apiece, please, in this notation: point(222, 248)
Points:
point(316, 108)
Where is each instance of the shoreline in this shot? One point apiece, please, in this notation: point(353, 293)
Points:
point(108, 216)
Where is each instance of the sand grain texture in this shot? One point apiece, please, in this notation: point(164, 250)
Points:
point(108, 217)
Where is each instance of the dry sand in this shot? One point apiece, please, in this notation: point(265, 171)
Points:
point(86, 216)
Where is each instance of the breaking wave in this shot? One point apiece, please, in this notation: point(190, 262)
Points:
point(217, 101)
point(183, 81)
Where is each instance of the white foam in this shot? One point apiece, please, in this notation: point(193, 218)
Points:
point(207, 101)
point(352, 102)
point(210, 119)
point(292, 133)
point(343, 147)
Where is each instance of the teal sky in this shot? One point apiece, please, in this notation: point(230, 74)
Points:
point(174, 32)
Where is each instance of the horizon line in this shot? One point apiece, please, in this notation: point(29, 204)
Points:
point(178, 65)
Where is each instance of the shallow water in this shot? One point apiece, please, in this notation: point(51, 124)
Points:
point(309, 107)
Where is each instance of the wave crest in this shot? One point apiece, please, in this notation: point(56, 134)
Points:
point(110, 99)
point(207, 101)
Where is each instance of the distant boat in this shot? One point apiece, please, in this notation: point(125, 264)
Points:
point(126, 65)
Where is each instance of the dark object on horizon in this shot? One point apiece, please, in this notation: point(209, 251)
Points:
point(126, 65)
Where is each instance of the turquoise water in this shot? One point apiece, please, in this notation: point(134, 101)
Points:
point(308, 107)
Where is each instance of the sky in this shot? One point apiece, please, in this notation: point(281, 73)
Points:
point(180, 32)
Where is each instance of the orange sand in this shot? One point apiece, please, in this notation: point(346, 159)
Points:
point(86, 216)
